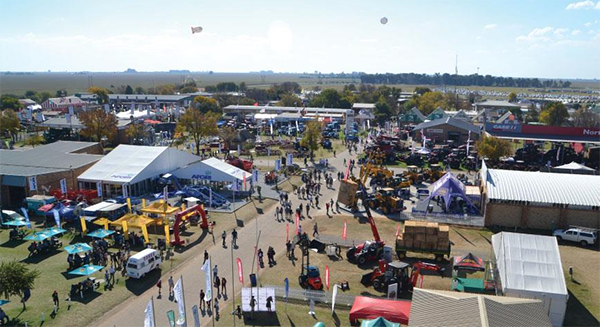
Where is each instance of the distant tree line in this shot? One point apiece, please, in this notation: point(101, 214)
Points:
point(461, 80)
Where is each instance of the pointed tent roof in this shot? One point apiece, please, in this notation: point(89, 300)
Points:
point(447, 187)
point(413, 112)
point(450, 121)
point(438, 111)
point(378, 322)
point(574, 166)
point(468, 262)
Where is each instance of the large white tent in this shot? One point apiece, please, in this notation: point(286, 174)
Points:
point(529, 266)
point(135, 164)
point(574, 166)
point(212, 170)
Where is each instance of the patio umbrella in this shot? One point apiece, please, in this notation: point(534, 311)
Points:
point(86, 270)
point(38, 236)
point(55, 230)
point(3, 302)
point(100, 233)
point(16, 223)
point(76, 248)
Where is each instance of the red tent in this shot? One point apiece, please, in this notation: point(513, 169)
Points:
point(468, 262)
point(371, 308)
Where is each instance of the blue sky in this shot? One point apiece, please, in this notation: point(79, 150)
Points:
point(525, 38)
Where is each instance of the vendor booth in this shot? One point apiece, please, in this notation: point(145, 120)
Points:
point(212, 170)
point(447, 196)
point(372, 308)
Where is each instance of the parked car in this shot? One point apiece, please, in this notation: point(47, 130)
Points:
point(579, 235)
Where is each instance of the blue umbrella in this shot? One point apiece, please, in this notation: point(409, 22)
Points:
point(86, 270)
point(3, 302)
point(100, 233)
point(55, 230)
point(16, 223)
point(79, 247)
point(38, 236)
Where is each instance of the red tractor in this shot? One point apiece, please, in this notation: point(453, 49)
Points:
point(404, 274)
point(369, 250)
point(241, 164)
point(309, 276)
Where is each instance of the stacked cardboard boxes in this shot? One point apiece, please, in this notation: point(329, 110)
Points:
point(347, 192)
point(424, 235)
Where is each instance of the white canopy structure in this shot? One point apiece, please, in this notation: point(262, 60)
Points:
point(574, 166)
point(212, 170)
point(529, 266)
point(136, 114)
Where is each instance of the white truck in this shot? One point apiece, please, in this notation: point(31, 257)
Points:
point(143, 262)
point(578, 235)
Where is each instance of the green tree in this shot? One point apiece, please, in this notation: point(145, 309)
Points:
point(9, 124)
point(165, 89)
point(196, 125)
point(15, 278)
point(512, 97)
point(100, 92)
point(34, 140)
point(43, 96)
point(420, 90)
point(9, 102)
point(383, 111)
point(135, 132)
point(330, 98)
point(98, 124)
point(554, 114)
point(243, 87)
point(585, 118)
point(227, 87)
point(205, 104)
point(188, 89)
point(289, 100)
point(430, 101)
point(533, 115)
point(493, 148)
point(128, 89)
point(312, 136)
point(61, 93)
point(140, 90)
point(228, 135)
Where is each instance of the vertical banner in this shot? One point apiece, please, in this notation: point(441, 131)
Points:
point(206, 268)
point(32, 183)
point(239, 150)
point(107, 108)
point(287, 288)
point(210, 197)
point(347, 170)
point(149, 314)
point(287, 232)
point(290, 157)
point(83, 108)
point(269, 151)
point(392, 291)
point(171, 318)
point(196, 316)
point(99, 189)
point(412, 148)
point(68, 118)
point(468, 143)
point(26, 217)
point(132, 108)
point(166, 197)
point(333, 296)
point(83, 224)
point(327, 277)
point(56, 217)
point(71, 111)
point(145, 233)
point(167, 234)
point(178, 294)
point(220, 147)
point(240, 271)
point(297, 223)
point(278, 164)
point(63, 186)
point(255, 175)
point(244, 181)
point(143, 203)
point(345, 231)
point(124, 190)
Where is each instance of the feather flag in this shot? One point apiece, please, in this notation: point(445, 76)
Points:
point(345, 231)
point(287, 232)
point(178, 293)
point(240, 271)
point(297, 223)
point(327, 277)
point(149, 314)
point(208, 278)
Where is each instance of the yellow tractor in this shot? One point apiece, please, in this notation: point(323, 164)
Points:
point(414, 174)
point(434, 173)
point(386, 201)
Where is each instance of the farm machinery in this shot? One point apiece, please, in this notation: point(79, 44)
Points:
point(404, 274)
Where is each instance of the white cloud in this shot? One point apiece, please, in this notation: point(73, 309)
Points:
point(490, 26)
point(588, 24)
point(537, 34)
point(368, 40)
point(478, 38)
point(581, 5)
point(575, 32)
point(280, 37)
point(597, 5)
point(559, 32)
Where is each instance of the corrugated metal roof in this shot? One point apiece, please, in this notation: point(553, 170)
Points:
point(449, 121)
point(538, 187)
point(497, 103)
point(45, 159)
point(61, 122)
point(443, 308)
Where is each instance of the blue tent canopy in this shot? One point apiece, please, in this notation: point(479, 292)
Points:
point(100, 233)
point(15, 223)
point(78, 247)
point(450, 188)
point(86, 270)
point(44, 234)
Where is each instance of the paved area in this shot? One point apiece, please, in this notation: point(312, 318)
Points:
point(272, 233)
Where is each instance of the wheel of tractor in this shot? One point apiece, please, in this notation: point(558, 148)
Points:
point(362, 260)
point(439, 258)
point(376, 284)
point(350, 255)
point(401, 255)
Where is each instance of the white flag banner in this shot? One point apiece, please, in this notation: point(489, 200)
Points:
point(289, 159)
point(32, 183)
point(26, 217)
point(210, 204)
point(63, 186)
point(149, 315)
point(297, 128)
point(99, 189)
point(178, 293)
point(125, 193)
point(333, 296)
point(71, 112)
point(107, 108)
point(239, 149)
point(56, 217)
point(83, 108)
point(196, 316)
point(132, 108)
point(208, 275)
point(68, 118)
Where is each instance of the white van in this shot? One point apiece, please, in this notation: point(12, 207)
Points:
point(142, 263)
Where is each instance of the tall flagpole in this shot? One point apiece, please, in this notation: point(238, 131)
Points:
point(153, 313)
point(183, 300)
point(211, 293)
point(232, 281)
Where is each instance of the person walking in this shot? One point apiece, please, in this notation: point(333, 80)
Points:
point(215, 272)
point(337, 206)
point(223, 286)
point(234, 236)
point(317, 200)
point(159, 285)
point(171, 286)
point(288, 249)
point(55, 300)
point(205, 256)
point(218, 285)
point(277, 214)
point(202, 302)
point(308, 211)
point(315, 230)
point(111, 270)
point(327, 208)
point(224, 237)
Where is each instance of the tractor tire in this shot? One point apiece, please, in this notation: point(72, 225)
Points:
point(301, 283)
point(401, 255)
point(376, 284)
point(350, 255)
point(362, 260)
point(439, 258)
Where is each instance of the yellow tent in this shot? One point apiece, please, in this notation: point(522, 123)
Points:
point(102, 222)
point(159, 209)
point(133, 220)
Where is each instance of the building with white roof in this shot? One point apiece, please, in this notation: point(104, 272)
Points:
point(540, 200)
point(529, 266)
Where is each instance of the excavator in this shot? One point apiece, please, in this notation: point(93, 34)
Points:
point(404, 274)
point(186, 214)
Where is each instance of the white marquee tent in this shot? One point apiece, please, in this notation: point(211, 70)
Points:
point(529, 266)
point(212, 170)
